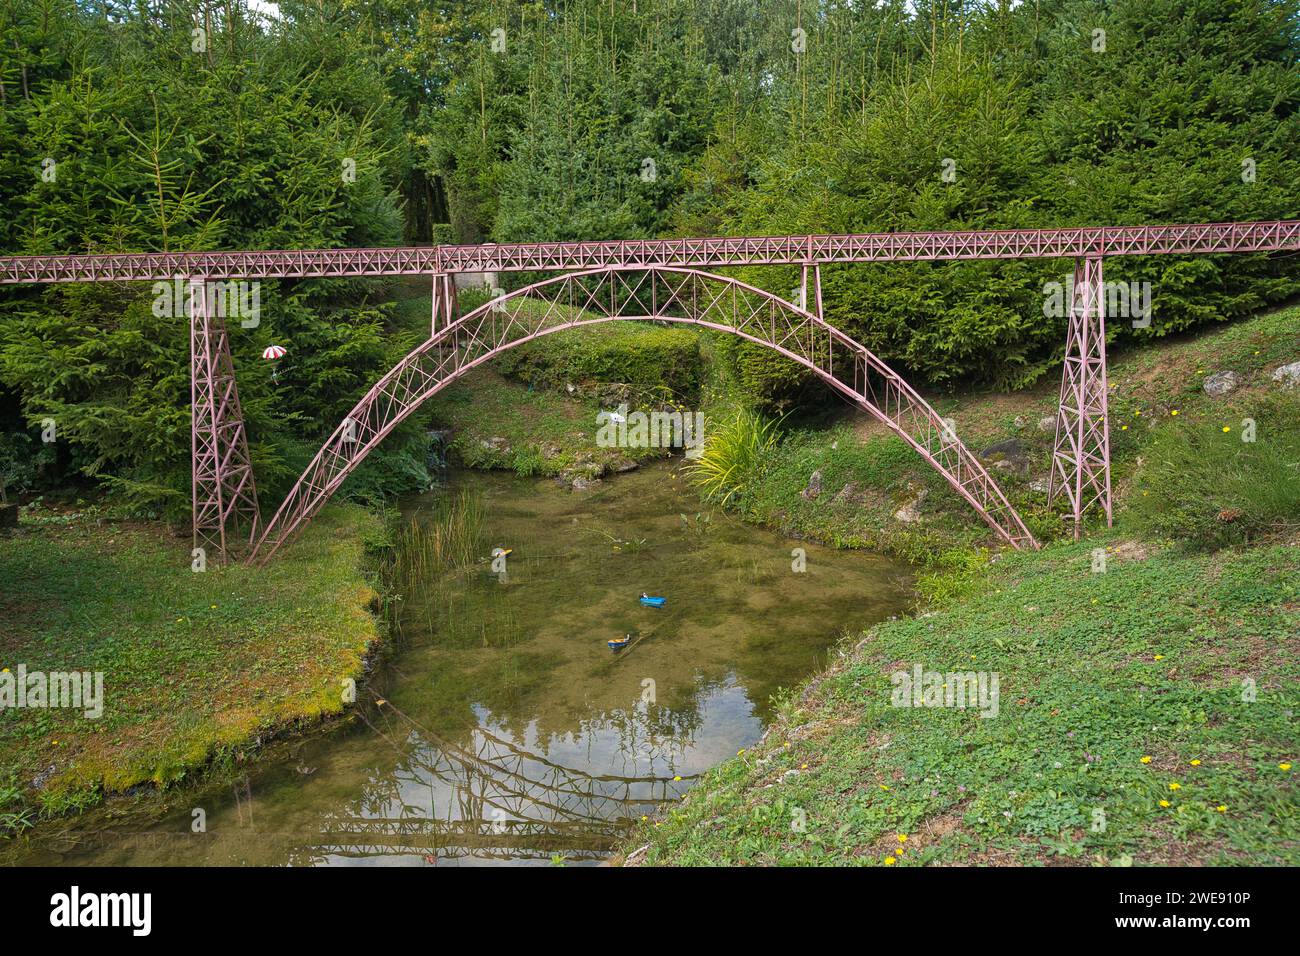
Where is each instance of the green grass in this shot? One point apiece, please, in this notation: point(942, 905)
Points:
point(545, 432)
point(1204, 485)
point(735, 452)
point(654, 361)
point(1097, 671)
point(1111, 683)
point(1155, 391)
point(197, 665)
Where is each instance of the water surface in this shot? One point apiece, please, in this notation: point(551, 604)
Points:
point(508, 731)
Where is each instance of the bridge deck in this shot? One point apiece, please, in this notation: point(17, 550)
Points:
point(1230, 237)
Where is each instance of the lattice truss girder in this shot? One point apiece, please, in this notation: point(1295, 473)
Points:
point(223, 491)
point(1200, 238)
point(1081, 452)
point(682, 295)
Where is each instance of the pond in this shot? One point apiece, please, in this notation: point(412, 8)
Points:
point(505, 730)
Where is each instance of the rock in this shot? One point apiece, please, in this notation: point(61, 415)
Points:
point(1047, 423)
point(498, 445)
point(1288, 375)
point(1021, 421)
point(1008, 455)
point(1039, 484)
point(8, 518)
point(584, 484)
point(1220, 383)
point(1010, 448)
point(848, 493)
point(814, 486)
point(910, 513)
point(42, 778)
point(620, 465)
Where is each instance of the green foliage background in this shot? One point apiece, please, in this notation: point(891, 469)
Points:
point(561, 119)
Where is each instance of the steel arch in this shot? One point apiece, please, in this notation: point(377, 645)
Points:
point(631, 293)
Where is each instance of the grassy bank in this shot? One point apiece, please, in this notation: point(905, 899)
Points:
point(1146, 691)
point(197, 666)
point(1126, 732)
point(868, 475)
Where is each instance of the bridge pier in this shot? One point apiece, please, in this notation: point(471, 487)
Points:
point(1081, 454)
point(444, 302)
point(221, 486)
point(816, 306)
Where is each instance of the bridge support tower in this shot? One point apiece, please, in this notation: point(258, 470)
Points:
point(1081, 455)
point(222, 488)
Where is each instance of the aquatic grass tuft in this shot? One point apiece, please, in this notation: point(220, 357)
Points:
point(449, 538)
point(734, 455)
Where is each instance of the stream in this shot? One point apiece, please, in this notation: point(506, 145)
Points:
point(504, 730)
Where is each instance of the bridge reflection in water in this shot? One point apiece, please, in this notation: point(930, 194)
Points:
point(496, 798)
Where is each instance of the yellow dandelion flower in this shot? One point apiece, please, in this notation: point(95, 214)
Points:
point(1284, 766)
point(1222, 808)
point(1123, 428)
point(883, 787)
point(1164, 803)
point(678, 777)
point(1146, 759)
point(1160, 657)
point(902, 838)
point(1227, 428)
point(803, 766)
point(1175, 786)
point(1196, 763)
point(890, 861)
point(1173, 411)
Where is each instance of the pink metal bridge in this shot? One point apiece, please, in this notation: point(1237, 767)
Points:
point(647, 279)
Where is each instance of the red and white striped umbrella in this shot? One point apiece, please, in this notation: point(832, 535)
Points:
point(274, 352)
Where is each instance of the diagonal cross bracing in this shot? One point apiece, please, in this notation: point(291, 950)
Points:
point(678, 295)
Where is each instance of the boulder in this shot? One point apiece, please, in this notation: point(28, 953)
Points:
point(8, 518)
point(1288, 376)
point(814, 488)
point(1010, 448)
point(1020, 422)
point(1047, 423)
point(1220, 383)
point(910, 513)
point(1008, 455)
point(848, 493)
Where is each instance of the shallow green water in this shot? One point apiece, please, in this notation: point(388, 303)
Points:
point(509, 732)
